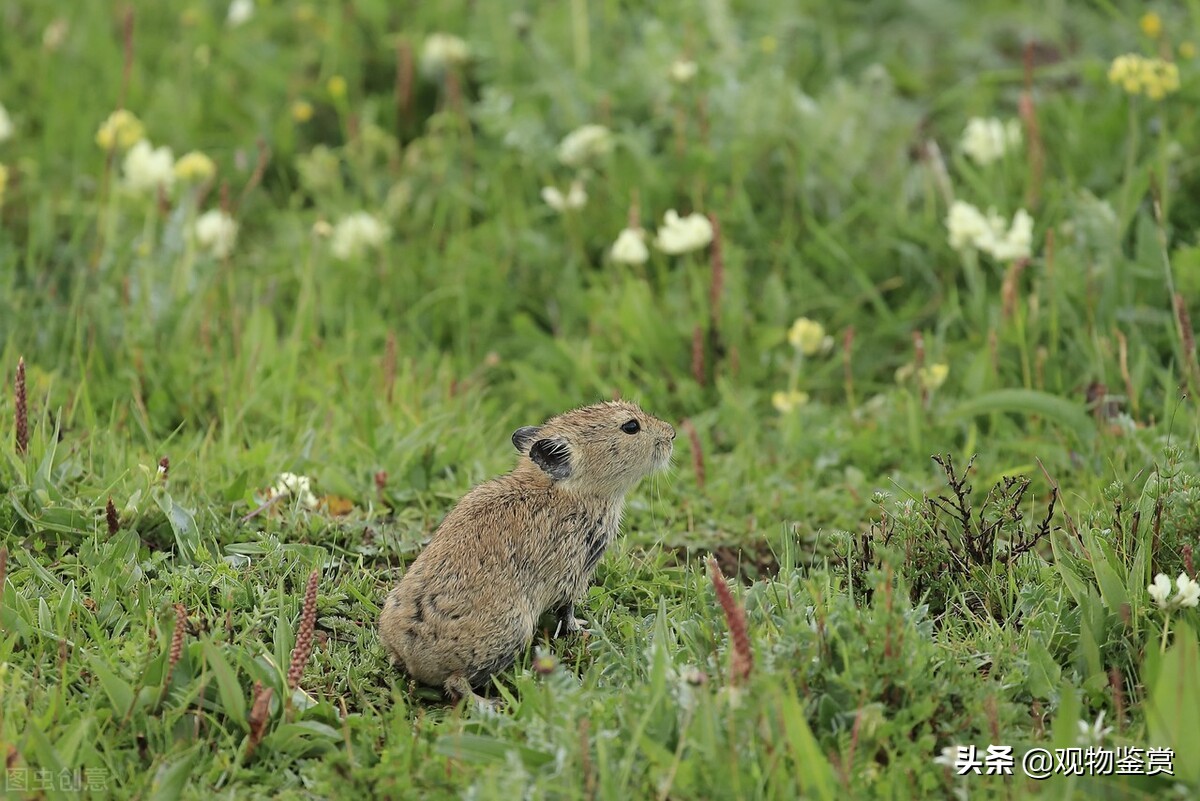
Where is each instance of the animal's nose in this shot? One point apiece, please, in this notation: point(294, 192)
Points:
point(672, 428)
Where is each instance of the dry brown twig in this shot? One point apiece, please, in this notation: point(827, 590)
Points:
point(304, 638)
point(742, 660)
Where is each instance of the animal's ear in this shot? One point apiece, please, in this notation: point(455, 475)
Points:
point(523, 436)
point(553, 456)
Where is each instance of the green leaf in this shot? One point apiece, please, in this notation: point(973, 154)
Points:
point(1106, 565)
point(170, 779)
point(183, 524)
point(812, 767)
point(1174, 701)
point(119, 693)
point(1061, 411)
point(232, 698)
point(306, 738)
point(1044, 673)
point(489, 750)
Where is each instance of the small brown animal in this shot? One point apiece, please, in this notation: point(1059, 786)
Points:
point(520, 545)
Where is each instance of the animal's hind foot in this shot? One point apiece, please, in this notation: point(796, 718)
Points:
point(459, 688)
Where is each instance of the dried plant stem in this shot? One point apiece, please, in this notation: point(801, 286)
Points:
point(22, 409)
point(304, 638)
point(698, 355)
point(260, 715)
point(111, 519)
point(177, 636)
point(742, 661)
point(697, 452)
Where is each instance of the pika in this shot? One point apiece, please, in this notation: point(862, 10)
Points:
point(520, 545)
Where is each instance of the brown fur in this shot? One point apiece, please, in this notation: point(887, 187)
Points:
point(520, 545)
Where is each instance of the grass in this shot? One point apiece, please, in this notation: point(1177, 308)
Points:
point(155, 636)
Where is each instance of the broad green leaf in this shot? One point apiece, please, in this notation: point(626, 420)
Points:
point(232, 698)
point(119, 693)
point(170, 778)
point(813, 769)
point(1173, 706)
point(489, 750)
point(1044, 673)
point(1061, 411)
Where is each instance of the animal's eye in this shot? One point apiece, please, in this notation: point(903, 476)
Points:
point(632, 427)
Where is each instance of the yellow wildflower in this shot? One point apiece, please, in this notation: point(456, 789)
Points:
point(768, 44)
point(786, 402)
point(807, 336)
point(302, 111)
point(336, 86)
point(122, 129)
point(1151, 24)
point(1187, 49)
point(933, 376)
point(195, 166)
point(1152, 77)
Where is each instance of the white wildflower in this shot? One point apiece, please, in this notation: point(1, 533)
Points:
point(442, 51)
point(787, 401)
point(807, 336)
point(240, 12)
point(1160, 589)
point(1189, 592)
point(584, 144)
point(630, 247)
point(1018, 242)
point(356, 234)
point(216, 232)
point(6, 125)
point(1093, 733)
point(683, 234)
point(986, 140)
point(294, 486)
point(971, 229)
point(683, 70)
point(55, 33)
point(148, 167)
point(575, 198)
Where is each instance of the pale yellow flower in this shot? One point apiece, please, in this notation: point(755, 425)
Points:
point(195, 166)
point(216, 232)
point(357, 233)
point(1187, 49)
point(807, 336)
point(336, 86)
point(575, 197)
point(302, 111)
point(1152, 77)
point(240, 12)
point(683, 70)
point(933, 376)
point(147, 168)
point(788, 401)
point(122, 129)
point(1151, 24)
point(986, 140)
point(584, 144)
point(683, 234)
point(441, 51)
point(6, 125)
point(630, 247)
point(3, 181)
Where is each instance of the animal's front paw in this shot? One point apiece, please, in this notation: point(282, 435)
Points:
point(569, 625)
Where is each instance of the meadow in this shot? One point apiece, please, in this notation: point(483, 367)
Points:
point(915, 281)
